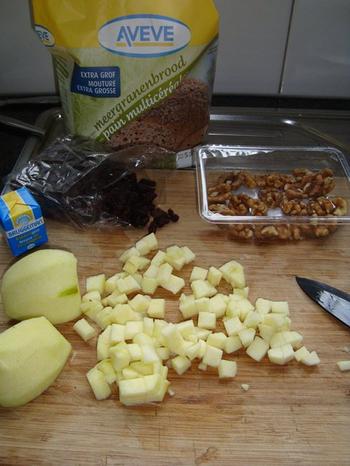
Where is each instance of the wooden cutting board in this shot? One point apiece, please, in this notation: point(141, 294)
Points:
point(290, 415)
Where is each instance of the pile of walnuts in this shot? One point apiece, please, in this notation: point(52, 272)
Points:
point(302, 193)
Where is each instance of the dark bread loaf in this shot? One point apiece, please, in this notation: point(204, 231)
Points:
point(179, 122)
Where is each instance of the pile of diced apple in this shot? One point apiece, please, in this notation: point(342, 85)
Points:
point(137, 345)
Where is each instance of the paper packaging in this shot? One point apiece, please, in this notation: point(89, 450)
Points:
point(133, 72)
point(22, 221)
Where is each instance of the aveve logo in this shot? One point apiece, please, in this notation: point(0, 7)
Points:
point(144, 36)
point(45, 35)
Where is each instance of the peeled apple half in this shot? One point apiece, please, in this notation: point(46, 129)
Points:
point(32, 354)
point(44, 283)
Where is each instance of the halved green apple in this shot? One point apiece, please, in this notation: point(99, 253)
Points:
point(44, 283)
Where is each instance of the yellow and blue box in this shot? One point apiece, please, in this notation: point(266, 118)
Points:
point(22, 221)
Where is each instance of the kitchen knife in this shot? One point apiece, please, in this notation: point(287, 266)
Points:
point(334, 301)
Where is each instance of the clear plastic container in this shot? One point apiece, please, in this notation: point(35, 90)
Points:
point(269, 193)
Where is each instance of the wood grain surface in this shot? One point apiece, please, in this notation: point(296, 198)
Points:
point(290, 415)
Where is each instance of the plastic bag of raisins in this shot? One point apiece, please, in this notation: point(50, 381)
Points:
point(81, 180)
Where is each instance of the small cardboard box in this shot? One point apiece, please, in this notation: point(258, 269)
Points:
point(22, 221)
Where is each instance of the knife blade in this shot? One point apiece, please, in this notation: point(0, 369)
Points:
point(334, 301)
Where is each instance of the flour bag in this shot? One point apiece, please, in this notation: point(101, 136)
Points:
point(133, 71)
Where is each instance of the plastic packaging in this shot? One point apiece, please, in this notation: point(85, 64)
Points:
point(133, 72)
point(80, 180)
point(273, 193)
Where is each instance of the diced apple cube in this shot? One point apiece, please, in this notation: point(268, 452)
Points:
point(187, 306)
point(116, 298)
point(343, 366)
point(186, 328)
point(301, 353)
point(140, 303)
point(218, 340)
point(252, 320)
point(156, 308)
point(133, 328)
point(227, 369)
point(198, 273)
point(263, 306)
point(163, 353)
point(111, 282)
point(158, 326)
point(188, 254)
point(122, 313)
point(212, 356)
point(275, 320)
point(105, 366)
point(232, 344)
point(214, 276)
point(143, 339)
point(91, 309)
point(233, 273)
point(96, 283)
point(132, 391)
point(117, 334)
point(147, 244)
point(193, 351)
point(202, 304)
point(266, 332)
point(102, 348)
point(202, 349)
point(174, 284)
point(202, 289)
point(130, 374)
point(244, 306)
point(164, 273)
point(138, 277)
point(129, 253)
point(180, 364)
point(217, 305)
point(246, 336)
point(98, 384)
point(104, 317)
point(84, 329)
point(127, 285)
point(202, 333)
point(136, 263)
point(207, 320)
point(257, 349)
point(280, 307)
point(244, 292)
point(91, 296)
point(120, 356)
point(134, 351)
point(149, 285)
point(149, 353)
point(233, 326)
point(152, 271)
point(281, 355)
point(131, 285)
point(311, 359)
point(232, 308)
point(174, 340)
point(159, 258)
point(142, 368)
point(175, 257)
point(148, 326)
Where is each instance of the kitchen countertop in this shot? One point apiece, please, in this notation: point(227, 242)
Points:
point(335, 123)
